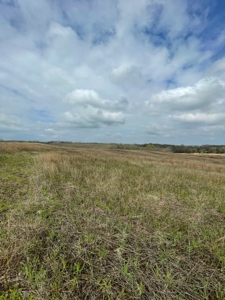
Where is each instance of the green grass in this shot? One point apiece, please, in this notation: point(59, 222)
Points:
point(82, 223)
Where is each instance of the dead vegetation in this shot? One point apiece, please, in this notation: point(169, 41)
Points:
point(82, 223)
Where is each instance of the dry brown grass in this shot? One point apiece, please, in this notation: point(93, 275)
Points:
point(85, 223)
point(13, 147)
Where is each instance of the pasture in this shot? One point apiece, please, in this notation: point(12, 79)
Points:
point(90, 222)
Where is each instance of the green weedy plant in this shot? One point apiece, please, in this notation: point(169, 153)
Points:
point(15, 294)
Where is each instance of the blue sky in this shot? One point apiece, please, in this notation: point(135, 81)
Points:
point(121, 71)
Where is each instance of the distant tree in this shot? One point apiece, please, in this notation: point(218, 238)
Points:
point(212, 149)
point(150, 146)
point(220, 150)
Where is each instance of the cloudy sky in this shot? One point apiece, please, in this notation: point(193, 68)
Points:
point(121, 71)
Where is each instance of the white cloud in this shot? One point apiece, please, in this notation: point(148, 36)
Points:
point(127, 75)
point(91, 98)
point(200, 118)
point(64, 65)
point(204, 93)
point(57, 30)
point(94, 118)
point(50, 131)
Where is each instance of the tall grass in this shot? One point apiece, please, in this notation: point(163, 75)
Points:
point(13, 147)
point(103, 224)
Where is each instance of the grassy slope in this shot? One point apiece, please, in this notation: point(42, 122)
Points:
point(82, 223)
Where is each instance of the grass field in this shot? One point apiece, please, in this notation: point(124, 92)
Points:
point(96, 223)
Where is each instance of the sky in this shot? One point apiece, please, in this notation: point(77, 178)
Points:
point(121, 71)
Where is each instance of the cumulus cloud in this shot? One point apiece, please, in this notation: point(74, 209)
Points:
point(94, 118)
point(203, 94)
point(93, 111)
point(91, 98)
point(64, 66)
point(200, 118)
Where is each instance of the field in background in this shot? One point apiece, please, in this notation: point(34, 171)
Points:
point(90, 222)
